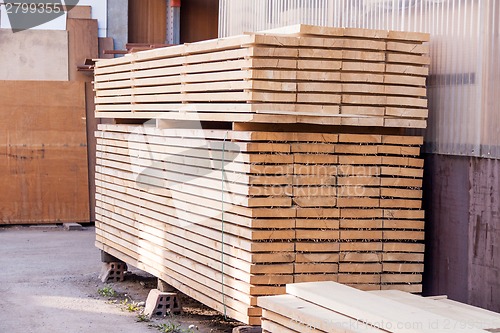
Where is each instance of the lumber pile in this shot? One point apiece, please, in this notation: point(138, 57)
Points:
point(226, 216)
point(316, 75)
point(226, 197)
point(332, 307)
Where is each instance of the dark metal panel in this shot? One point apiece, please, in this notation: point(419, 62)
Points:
point(446, 202)
point(484, 233)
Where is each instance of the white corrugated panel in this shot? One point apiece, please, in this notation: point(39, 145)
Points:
point(464, 84)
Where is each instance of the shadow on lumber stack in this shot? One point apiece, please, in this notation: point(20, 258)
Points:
point(310, 179)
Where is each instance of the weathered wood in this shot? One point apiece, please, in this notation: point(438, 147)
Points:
point(83, 44)
point(43, 153)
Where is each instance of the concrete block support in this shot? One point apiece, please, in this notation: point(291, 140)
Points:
point(161, 304)
point(113, 271)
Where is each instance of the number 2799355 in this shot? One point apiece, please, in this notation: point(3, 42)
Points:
point(32, 8)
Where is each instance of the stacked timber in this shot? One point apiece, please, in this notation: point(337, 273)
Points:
point(321, 307)
point(333, 76)
point(228, 215)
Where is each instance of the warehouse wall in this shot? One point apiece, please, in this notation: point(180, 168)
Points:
point(462, 203)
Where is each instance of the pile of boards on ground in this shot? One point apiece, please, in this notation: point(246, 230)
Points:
point(239, 165)
point(317, 307)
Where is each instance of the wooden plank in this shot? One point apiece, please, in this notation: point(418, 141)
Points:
point(362, 213)
point(406, 69)
point(404, 257)
point(403, 140)
point(403, 267)
point(270, 319)
point(403, 247)
point(80, 12)
point(361, 246)
point(409, 123)
point(362, 110)
point(316, 247)
point(83, 44)
point(104, 44)
point(362, 224)
point(356, 66)
point(360, 267)
point(308, 277)
point(404, 214)
point(43, 164)
point(367, 307)
point(308, 315)
point(406, 112)
point(401, 203)
point(418, 37)
point(404, 80)
point(407, 58)
point(358, 181)
point(359, 278)
point(409, 288)
point(401, 278)
point(360, 257)
point(413, 48)
point(313, 257)
point(466, 317)
point(271, 326)
point(316, 234)
point(401, 193)
point(408, 235)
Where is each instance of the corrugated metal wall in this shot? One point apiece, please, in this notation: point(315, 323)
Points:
point(464, 85)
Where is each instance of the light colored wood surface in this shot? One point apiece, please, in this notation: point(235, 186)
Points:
point(321, 73)
point(297, 206)
point(333, 307)
point(372, 309)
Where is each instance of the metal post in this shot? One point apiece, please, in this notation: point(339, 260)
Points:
point(176, 21)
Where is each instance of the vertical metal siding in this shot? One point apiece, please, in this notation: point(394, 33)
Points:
point(464, 82)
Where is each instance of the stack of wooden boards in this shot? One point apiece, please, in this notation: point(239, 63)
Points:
point(226, 216)
point(332, 307)
point(315, 75)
